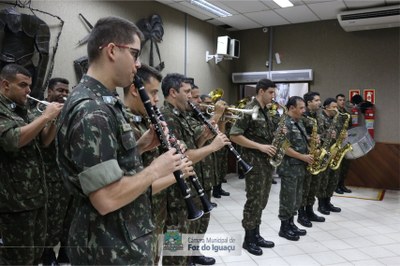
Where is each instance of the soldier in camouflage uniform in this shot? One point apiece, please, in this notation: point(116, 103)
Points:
point(292, 169)
point(23, 191)
point(255, 136)
point(176, 89)
point(328, 178)
point(208, 165)
point(344, 166)
point(222, 154)
point(58, 196)
point(140, 123)
point(100, 159)
point(311, 182)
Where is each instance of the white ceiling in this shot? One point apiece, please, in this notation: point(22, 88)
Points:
point(249, 14)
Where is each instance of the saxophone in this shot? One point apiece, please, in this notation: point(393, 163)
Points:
point(324, 161)
point(314, 149)
point(337, 151)
point(280, 142)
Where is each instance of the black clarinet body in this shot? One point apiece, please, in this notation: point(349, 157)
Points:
point(207, 207)
point(245, 166)
point(193, 212)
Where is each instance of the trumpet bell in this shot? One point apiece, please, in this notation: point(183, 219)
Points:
point(216, 94)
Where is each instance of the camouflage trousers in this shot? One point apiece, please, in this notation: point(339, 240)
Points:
point(57, 206)
point(344, 169)
point(69, 215)
point(311, 185)
point(258, 185)
point(290, 196)
point(205, 219)
point(159, 210)
point(176, 220)
point(23, 235)
point(329, 181)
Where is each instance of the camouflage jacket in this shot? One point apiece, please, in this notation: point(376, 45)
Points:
point(96, 147)
point(140, 125)
point(320, 121)
point(22, 180)
point(260, 130)
point(297, 136)
point(208, 164)
point(53, 173)
point(180, 126)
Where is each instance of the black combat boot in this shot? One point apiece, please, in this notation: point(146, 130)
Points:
point(312, 216)
point(203, 260)
point(322, 207)
point(339, 190)
point(303, 218)
point(62, 256)
point(261, 242)
point(250, 243)
point(286, 231)
point(223, 192)
point(331, 207)
point(215, 192)
point(344, 188)
point(49, 257)
point(295, 229)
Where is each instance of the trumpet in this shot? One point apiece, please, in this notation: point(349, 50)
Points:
point(238, 113)
point(39, 103)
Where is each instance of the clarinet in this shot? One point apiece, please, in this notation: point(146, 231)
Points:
point(193, 212)
point(207, 207)
point(245, 166)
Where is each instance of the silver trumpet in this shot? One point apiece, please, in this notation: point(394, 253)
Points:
point(41, 105)
point(238, 113)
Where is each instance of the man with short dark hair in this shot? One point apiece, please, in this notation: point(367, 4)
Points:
point(176, 89)
point(57, 205)
point(23, 191)
point(293, 169)
point(311, 183)
point(100, 159)
point(255, 136)
point(344, 166)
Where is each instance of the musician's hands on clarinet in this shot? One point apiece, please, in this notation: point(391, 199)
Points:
point(150, 140)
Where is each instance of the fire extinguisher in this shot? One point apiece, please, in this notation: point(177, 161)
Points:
point(354, 116)
point(369, 120)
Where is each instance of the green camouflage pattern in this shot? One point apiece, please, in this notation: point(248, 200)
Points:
point(312, 182)
point(23, 191)
point(92, 130)
point(292, 171)
point(158, 201)
point(258, 181)
point(179, 125)
point(22, 179)
point(24, 239)
point(58, 195)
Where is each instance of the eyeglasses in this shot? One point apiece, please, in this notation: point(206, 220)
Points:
point(134, 52)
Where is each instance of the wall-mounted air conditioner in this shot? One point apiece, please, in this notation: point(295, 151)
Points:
point(371, 18)
point(291, 75)
point(276, 76)
point(249, 77)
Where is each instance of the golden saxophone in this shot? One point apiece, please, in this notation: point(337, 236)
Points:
point(324, 161)
point(315, 151)
point(337, 151)
point(280, 142)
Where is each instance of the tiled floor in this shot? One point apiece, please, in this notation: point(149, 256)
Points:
point(366, 232)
